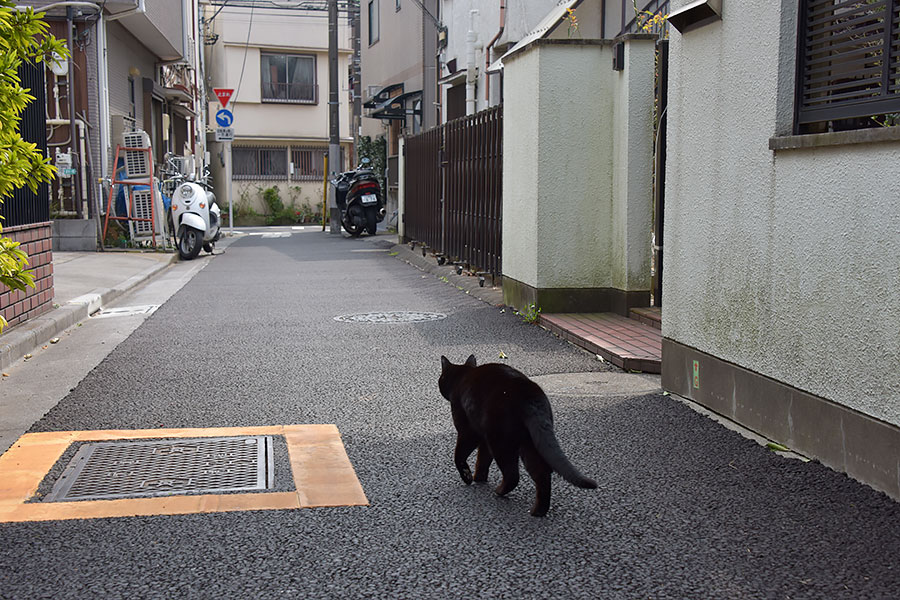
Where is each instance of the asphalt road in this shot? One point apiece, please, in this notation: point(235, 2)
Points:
point(684, 509)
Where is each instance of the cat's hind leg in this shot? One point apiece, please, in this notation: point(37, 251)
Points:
point(483, 463)
point(465, 445)
point(508, 463)
point(540, 472)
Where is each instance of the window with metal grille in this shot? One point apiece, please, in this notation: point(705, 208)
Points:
point(249, 162)
point(289, 78)
point(309, 163)
point(848, 76)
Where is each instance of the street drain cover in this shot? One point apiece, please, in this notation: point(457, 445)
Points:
point(392, 316)
point(126, 311)
point(129, 469)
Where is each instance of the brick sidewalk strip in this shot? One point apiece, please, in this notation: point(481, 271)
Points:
point(624, 342)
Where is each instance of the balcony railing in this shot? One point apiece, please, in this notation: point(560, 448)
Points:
point(291, 93)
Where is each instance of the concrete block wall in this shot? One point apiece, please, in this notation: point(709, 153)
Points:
point(16, 306)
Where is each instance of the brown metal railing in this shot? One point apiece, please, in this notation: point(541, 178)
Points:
point(422, 213)
point(460, 163)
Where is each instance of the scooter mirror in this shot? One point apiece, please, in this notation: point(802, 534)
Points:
point(365, 161)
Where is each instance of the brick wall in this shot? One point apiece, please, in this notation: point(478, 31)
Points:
point(35, 240)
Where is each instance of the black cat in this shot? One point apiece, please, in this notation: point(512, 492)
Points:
point(498, 410)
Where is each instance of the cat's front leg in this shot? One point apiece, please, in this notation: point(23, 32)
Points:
point(465, 444)
point(483, 463)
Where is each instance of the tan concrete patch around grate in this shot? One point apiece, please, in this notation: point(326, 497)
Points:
point(323, 475)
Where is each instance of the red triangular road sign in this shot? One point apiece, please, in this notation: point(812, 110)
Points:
point(224, 95)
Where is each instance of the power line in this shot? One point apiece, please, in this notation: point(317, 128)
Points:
point(349, 6)
point(244, 64)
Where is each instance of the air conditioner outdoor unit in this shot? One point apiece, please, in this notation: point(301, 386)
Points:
point(142, 202)
point(184, 164)
point(136, 139)
point(120, 125)
point(137, 162)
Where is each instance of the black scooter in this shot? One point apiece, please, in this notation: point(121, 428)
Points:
point(360, 200)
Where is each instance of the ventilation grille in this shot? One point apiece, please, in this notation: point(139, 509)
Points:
point(142, 208)
point(137, 162)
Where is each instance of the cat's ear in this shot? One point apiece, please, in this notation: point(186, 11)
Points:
point(470, 362)
point(444, 363)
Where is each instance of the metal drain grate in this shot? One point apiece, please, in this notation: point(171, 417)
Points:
point(126, 311)
point(394, 316)
point(129, 469)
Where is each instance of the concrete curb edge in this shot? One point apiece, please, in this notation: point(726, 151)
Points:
point(492, 295)
point(28, 336)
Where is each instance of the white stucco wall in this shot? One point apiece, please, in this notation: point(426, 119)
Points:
point(520, 172)
point(632, 178)
point(575, 211)
point(576, 166)
point(784, 262)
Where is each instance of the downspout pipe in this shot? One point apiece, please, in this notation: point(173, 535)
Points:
point(487, 52)
point(103, 80)
point(471, 72)
point(70, 28)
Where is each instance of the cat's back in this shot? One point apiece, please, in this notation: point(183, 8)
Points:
point(495, 383)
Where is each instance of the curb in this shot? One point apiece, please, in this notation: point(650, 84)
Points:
point(31, 334)
point(493, 295)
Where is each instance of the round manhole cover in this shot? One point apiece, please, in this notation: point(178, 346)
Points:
point(391, 316)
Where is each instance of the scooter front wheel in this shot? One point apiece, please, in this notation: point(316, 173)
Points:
point(190, 241)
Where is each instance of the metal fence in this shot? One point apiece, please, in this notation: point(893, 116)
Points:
point(26, 207)
point(454, 178)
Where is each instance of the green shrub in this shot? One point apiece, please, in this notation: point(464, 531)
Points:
point(272, 198)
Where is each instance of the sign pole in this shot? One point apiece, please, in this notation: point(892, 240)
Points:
point(225, 134)
point(228, 186)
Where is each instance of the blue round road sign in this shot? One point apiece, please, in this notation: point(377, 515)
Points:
point(224, 117)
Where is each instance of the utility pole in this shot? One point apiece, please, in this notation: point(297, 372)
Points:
point(334, 141)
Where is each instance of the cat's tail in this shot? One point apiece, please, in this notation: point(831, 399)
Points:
point(540, 426)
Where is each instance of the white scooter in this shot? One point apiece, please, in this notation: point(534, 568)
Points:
point(195, 216)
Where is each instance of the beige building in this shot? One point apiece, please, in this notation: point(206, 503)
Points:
point(276, 61)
